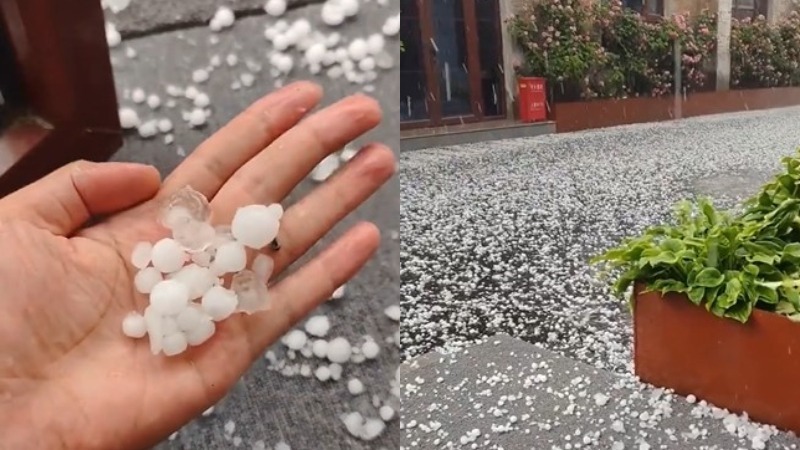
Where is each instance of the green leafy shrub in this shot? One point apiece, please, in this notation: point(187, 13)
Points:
point(730, 264)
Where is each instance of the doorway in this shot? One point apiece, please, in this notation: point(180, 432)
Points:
point(451, 67)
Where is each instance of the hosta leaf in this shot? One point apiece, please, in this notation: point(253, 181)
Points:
point(709, 277)
point(696, 294)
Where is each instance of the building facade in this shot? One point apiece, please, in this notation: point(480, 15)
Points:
point(457, 58)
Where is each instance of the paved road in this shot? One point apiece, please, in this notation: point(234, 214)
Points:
point(267, 406)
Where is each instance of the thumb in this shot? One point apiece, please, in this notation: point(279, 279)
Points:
point(66, 199)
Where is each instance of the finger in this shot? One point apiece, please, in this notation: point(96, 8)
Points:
point(216, 159)
point(66, 199)
point(272, 174)
point(307, 221)
point(298, 294)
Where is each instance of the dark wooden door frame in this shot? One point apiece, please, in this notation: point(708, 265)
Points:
point(473, 65)
point(63, 63)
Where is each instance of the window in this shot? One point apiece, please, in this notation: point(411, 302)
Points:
point(646, 7)
point(749, 9)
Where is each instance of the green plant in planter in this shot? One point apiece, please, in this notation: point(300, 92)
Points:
point(729, 263)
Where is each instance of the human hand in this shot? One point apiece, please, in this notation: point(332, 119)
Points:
point(69, 378)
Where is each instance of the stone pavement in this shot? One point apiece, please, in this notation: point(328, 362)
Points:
point(267, 406)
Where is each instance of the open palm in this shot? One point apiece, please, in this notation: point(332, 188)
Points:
point(69, 378)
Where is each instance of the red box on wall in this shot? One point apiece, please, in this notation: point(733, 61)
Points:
point(532, 99)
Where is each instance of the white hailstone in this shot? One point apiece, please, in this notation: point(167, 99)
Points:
point(208, 411)
point(332, 14)
point(339, 350)
point(370, 349)
point(198, 279)
point(282, 446)
point(325, 168)
point(305, 370)
point(219, 303)
point(349, 7)
point(384, 60)
point(372, 429)
point(284, 63)
point(355, 386)
point(190, 318)
point(128, 118)
point(223, 18)
point(386, 412)
point(275, 8)
point(336, 371)
point(354, 423)
point(393, 312)
point(334, 72)
point(153, 101)
point(197, 117)
point(231, 59)
point(146, 279)
point(202, 100)
point(247, 79)
point(236, 85)
point(392, 25)
point(140, 256)
point(255, 226)
point(338, 293)
point(347, 153)
point(320, 348)
point(333, 39)
point(281, 42)
point(174, 343)
point(618, 445)
point(315, 53)
point(358, 49)
point(183, 208)
point(155, 328)
point(328, 58)
point(322, 373)
point(202, 259)
point(174, 91)
point(691, 398)
point(194, 236)
point(295, 339)
point(318, 326)
point(201, 332)
point(164, 125)
point(116, 6)
point(134, 326)
point(200, 76)
point(251, 292)
point(263, 266)
point(113, 38)
point(191, 92)
point(600, 399)
point(138, 95)
point(167, 255)
point(169, 297)
point(215, 60)
point(367, 64)
point(375, 44)
point(148, 129)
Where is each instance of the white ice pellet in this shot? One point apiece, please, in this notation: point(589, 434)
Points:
point(148, 129)
point(230, 257)
point(315, 53)
point(325, 168)
point(384, 60)
point(263, 266)
point(255, 226)
point(250, 291)
point(197, 278)
point(140, 256)
point(194, 236)
point(375, 43)
point(393, 312)
point(339, 292)
point(202, 331)
point(370, 349)
point(339, 350)
point(191, 92)
point(128, 118)
point(247, 79)
point(219, 303)
point(138, 95)
point(386, 412)
point(202, 100)
point(322, 373)
point(153, 101)
point(134, 325)
point(190, 318)
point(320, 348)
point(318, 326)
point(355, 386)
point(367, 64)
point(354, 423)
point(336, 371)
point(113, 38)
point(200, 76)
point(358, 49)
point(231, 59)
point(373, 428)
point(164, 125)
point(223, 18)
point(282, 446)
point(175, 343)
point(169, 297)
point(167, 255)
point(197, 117)
point(146, 279)
point(391, 26)
point(332, 14)
point(275, 8)
point(295, 339)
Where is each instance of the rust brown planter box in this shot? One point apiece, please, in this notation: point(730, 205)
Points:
point(576, 116)
point(752, 367)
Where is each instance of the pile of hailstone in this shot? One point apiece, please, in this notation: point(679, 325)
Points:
point(185, 274)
